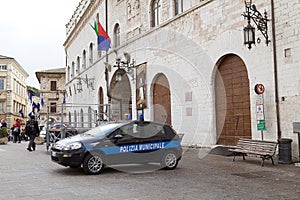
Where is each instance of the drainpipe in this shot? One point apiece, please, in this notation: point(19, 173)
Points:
point(106, 73)
point(106, 55)
point(275, 71)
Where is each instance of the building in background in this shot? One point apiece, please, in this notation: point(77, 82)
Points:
point(185, 63)
point(13, 91)
point(52, 94)
point(33, 106)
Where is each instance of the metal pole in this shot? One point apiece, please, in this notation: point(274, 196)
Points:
point(47, 130)
point(275, 72)
point(299, 146)
point(62, 130)
point(108, 111)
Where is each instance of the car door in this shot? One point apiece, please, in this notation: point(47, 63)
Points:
point(151, 141)
point(125, 143)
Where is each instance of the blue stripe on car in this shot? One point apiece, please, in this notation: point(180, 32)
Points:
point(138, 147)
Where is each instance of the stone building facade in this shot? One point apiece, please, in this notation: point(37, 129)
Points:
point(52, 94)
point(191, 67)
point(13, 90)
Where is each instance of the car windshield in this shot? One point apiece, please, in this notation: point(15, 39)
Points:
point(103, 130)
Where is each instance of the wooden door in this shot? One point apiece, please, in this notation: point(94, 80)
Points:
point(236, 109)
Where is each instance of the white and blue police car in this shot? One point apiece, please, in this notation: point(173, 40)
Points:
point(118, 143)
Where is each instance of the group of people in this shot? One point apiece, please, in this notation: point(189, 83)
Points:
point(16, 131)
point(31, 130)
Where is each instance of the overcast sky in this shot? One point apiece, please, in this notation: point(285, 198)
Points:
point(33, 32)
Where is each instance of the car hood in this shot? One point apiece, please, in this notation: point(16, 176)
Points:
point(83, 138)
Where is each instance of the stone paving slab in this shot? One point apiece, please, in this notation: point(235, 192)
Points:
point(32, 175)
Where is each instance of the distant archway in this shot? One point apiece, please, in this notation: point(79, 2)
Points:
point(120, 90)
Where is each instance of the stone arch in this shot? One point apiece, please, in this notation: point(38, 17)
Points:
point(120, 90)
point(235, 111)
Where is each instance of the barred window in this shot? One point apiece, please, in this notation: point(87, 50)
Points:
point(3, 67)
point(53, 85)
point(181, 6)
point(53, 107)
point(155, 13)
point(91, 57)
point(2, 107)
point(117, 35)
point(2, 83)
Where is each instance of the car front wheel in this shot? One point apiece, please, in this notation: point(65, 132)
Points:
point(93, 164)
point(169, 161)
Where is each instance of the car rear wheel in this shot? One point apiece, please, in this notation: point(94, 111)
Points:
point(93, 164)
point(169, 161)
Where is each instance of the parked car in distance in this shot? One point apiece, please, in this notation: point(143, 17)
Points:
point(118, 143)
point(69, 130)
point(43, 131)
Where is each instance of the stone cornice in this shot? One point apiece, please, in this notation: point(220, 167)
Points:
point(89, 11)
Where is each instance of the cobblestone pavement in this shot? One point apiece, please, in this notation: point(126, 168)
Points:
point(32, 175)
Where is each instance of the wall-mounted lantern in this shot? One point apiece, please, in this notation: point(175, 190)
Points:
point(253, 14)
point(127, 65)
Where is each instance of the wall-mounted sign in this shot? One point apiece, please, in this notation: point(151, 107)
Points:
point(260, 115)
point(261, 125)
point(259, 88)
point(141, 101)
point(260, 111)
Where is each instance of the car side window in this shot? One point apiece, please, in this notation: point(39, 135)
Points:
point(130, 130)
point(120, 135)
point(152, 129)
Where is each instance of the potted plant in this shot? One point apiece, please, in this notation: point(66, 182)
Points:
point(3, 136)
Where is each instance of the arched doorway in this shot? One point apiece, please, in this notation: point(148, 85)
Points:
point(236, 108)
point(120, 90)
point(162, 100)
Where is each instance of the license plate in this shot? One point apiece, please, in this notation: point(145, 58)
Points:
point(53, 153)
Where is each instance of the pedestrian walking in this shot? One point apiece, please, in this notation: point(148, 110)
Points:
point(4, 126)
point(3, 123)
point(32, 130)
point(16, 130)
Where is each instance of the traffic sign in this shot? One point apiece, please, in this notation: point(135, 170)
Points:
point(259, 88)
point(261, 125)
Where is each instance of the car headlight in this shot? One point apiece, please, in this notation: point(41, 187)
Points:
point(72, 146)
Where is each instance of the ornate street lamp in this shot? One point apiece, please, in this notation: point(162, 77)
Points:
point(118, 76)
point(260, 21)
point(126, 66)
point(249, 35)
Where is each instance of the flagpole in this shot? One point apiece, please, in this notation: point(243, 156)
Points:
point(106, 20)
point(106, 55)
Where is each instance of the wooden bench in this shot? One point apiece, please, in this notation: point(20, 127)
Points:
point(264, 149)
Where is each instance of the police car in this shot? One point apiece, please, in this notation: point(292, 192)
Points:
point(119, 143)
